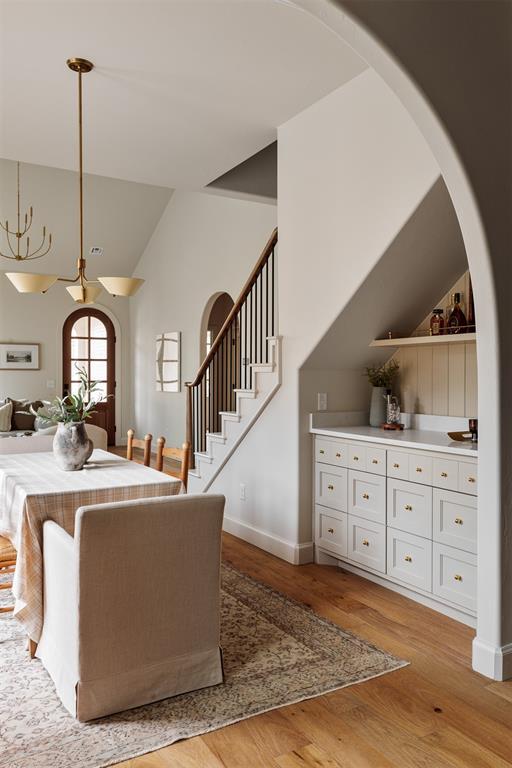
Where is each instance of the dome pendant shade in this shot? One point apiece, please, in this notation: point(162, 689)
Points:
point(29, 282)
point(86, 294)
point(121, 286)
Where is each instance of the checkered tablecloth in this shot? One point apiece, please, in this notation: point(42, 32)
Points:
point(33, 489)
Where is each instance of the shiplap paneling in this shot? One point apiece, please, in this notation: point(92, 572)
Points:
point(456, 380)
point(440, 381)
point(471, 382)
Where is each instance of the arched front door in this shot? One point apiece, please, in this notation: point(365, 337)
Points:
point(89, 342)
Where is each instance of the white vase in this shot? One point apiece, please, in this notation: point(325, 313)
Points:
point(378, 406)
point(71, 446)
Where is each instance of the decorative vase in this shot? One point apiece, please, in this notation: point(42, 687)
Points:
point(378, 406)
point(71, 446)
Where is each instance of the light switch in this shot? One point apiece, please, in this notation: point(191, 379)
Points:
point(322, 401)
point(50, 384)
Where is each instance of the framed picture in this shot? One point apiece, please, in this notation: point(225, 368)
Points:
point(19, 357)
point(168, 362)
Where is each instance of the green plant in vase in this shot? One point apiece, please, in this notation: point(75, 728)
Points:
point(381, 377)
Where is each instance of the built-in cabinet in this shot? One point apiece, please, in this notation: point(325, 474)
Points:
point(406, 516)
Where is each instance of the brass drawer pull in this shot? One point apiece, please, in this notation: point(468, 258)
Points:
point(338, 455)
point(396, 466)
point(471, 480)
point(355, 458)
point(366, 495)
point(408, 559)
point(330, 530)
point(457, 577)
point(419, 469)
point(408, 508)
point(375, 461)
point(330, 487)
point(458, 521)
point(321, 451)
point(366, 543)
point(444, 474)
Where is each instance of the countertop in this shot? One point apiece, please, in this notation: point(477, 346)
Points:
point(407, 438)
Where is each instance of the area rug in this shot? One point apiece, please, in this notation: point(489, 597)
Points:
point(276, 652)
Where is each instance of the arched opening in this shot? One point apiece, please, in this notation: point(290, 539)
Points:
point(215, 313)
point(88, 342)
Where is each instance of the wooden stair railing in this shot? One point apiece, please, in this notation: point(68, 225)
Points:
point(241, 341)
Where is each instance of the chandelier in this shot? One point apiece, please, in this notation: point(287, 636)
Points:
point(20, 233)
point(82, 290)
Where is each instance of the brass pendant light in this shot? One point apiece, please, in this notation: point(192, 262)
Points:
point(19, 233)
point(83, 291)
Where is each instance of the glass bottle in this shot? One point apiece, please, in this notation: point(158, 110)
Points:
point(457, 322)
point(437, 322)
point(471, 309)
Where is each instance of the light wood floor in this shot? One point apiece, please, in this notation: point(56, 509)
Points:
point(433, 714)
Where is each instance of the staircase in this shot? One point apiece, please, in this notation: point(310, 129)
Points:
point(238, 377)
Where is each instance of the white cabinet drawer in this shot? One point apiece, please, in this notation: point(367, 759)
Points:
point(410, 507)
point(331, 487)
point(357, 457)
point(398, 465)
point(468, 478)
point(375, 460)
point(455, 576)
point(409, 559)
point(455, 519)
point(331, 532)
point(330, 452)
point(446, 474)
point(367, 543)
point(420, 469)
point(367, 496)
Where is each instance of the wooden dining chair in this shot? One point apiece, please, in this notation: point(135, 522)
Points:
point(180, 455)
point(7, 565)
point(144, 445)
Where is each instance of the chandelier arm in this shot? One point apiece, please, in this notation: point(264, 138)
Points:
point(15, 256)
point(68, 279)
point(7, 256)
point(27, 226)
point(34, 253)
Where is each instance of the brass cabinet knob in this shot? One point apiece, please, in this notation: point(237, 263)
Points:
point(408, 508)
point(408, 559)
point(457, 577)
point(396, 466)
point(419, 469)
point(366, 495)
point(375, 461)
point(330, 530)
point(458, 521)
point(321, 451)
point(338, 455)
point(444, 474)
point(355, 458)
point(471, 480)
point(366, 543)
point(330, 487)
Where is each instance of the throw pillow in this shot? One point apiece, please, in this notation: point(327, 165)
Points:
point(22, 419)
point(5, 417)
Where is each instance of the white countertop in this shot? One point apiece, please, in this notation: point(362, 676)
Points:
point(407, 438)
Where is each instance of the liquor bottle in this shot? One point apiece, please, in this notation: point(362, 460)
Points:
point(471, 309)
point(437, 323)
point(457, 322)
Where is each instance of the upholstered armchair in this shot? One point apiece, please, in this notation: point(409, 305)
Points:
point(131, 603)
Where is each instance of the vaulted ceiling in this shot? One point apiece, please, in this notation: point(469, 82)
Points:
point(182, 90)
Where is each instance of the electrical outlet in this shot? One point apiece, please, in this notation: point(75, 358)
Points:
point(322, 401)
point(50, 384)
point(242, 491)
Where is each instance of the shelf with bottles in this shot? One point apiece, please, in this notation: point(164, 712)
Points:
point(425, 338)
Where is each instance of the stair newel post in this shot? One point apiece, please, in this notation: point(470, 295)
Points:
point(189, 425)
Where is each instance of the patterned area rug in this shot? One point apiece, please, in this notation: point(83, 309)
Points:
point(276, 652)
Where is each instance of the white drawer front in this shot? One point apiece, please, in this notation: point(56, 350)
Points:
point(468, 478)
point(409, 558)
point(376, 460)
point(455, 519)
point(410, 507)
point(446, 474)
point(455, 576)
point(398, 465)
point(330, 452)
point(331, 487)
point(367, 543)
point(367, 496)
point(357, 457)
point(420, 469)
point(331, 532)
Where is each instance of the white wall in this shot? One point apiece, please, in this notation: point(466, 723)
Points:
point(351, 170)
point(203, 244)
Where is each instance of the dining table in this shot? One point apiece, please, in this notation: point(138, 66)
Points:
point(33, 489)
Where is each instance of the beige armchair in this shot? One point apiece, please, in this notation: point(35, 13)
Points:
point(131, 604)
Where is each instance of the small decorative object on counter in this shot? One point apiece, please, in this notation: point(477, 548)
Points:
point(456, 322)
point(392, 409)
point(437, 323)
point(473, 428)
point(381, 377)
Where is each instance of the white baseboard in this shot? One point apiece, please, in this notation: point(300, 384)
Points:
point(297, 554)
point(492, 661)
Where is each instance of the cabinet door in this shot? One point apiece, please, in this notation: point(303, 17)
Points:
point(455, 519)
point(420, 469)
point(410, 507)
point(367, 496)
point(375, 460)
point(455, 576)
point(409, 559)
point(398, 465)
point(367, 543)
point(331, 532)
point(468, 478)
point(331, 487)
point(446, 474)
